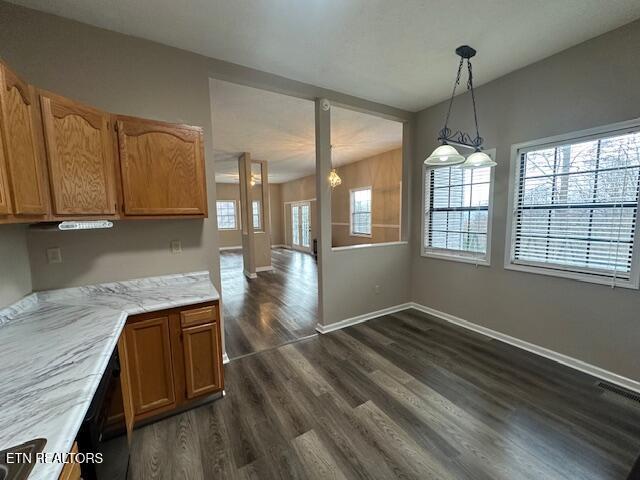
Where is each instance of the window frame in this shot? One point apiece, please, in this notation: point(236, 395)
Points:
point(574, 273)
point(351, 195)
point(457, 255)
point(260, 227)
point(236, 214)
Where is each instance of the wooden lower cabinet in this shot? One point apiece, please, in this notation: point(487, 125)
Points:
point(201, 347)
point(167, 361)
point(71, 471)
point(151, 366)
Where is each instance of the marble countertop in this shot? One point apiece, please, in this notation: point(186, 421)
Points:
point(54, 348)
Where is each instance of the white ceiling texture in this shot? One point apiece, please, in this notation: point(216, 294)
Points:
point(398, 53)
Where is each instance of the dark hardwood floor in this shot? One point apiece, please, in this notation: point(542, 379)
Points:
point(276, 308)
point(402, 396)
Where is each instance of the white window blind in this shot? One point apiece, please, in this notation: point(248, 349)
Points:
point(361, 211)
point(576, 206)
point(226, 211)
point(456, 211)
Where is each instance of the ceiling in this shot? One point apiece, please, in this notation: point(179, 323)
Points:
point(398, 53)
point(281, 130)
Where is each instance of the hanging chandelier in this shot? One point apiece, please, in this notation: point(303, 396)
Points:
point(446, 154)
point(334, 179)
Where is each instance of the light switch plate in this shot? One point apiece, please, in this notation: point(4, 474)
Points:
point(54, 255)
point(176, 246)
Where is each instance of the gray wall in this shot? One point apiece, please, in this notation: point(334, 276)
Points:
point(592, 84)
point(15, 274)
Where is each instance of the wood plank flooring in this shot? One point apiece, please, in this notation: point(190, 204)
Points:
point(276, 308)
point(401, 396)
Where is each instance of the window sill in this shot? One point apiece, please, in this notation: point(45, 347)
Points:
point(362, 235)
point(367, 245)
point(453, 257)
point(581, 277)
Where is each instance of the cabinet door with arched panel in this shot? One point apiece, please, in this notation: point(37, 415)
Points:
point(80, 157)
point(22, 143)
point(162, 168)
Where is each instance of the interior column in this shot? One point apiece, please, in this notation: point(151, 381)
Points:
point(246, 216)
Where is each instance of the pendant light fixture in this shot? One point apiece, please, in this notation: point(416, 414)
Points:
point(334, 179)
point(446, 154)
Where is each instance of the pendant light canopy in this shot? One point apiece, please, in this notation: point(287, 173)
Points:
point(446, 154)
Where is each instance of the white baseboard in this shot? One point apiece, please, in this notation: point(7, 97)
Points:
point(361, 318)
point(268, 268)
point(279, 245)
point(249, 275)
point(237, 247)
point(225, 358)
point(530, 347)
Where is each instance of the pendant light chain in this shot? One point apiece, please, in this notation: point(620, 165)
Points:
point(479, 139)
point(453, 94)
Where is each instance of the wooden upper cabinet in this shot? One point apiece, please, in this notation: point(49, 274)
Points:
point(22, 143)
point(162, 168)
point(80, 157)
point(5, 203)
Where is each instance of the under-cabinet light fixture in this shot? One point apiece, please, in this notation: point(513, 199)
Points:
point(84, 225)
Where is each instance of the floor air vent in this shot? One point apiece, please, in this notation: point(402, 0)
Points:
point(620, 391)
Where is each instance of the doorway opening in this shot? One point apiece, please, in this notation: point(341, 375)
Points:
point(264, 147)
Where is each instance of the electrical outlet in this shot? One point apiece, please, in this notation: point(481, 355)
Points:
point(54, 255)
point(176, 246)
point(377, 289)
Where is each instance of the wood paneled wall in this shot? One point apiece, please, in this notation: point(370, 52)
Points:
point(382, 172)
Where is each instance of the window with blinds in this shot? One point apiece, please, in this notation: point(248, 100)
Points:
point(456, 213)
point(576, 206)
point(226, 211)
point(361, 212)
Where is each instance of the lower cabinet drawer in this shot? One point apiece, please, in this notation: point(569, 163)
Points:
point(198, 316)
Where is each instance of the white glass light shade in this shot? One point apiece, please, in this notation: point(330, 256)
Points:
point(444, 155)
point(478, 160)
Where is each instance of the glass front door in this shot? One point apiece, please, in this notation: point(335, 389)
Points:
point(301, 225)
point(305, 224)
point(295, 225)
